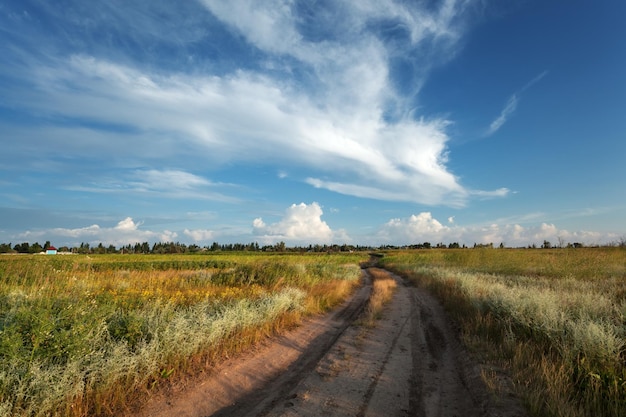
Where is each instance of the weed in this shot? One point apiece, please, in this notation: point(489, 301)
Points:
point(554, 318)
point(89, 336)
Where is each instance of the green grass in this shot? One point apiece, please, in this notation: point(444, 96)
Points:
point(554, 318)
point(93, 335)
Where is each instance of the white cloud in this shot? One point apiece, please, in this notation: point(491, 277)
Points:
point(169, 183)
point(415, 229)
point(127, 225)
point(344, 118)
point(169, 179)
point(123, 233)
point(511, 106)
point(200, 235)
point(500, 192)
point(423, 227)
point(301, 223)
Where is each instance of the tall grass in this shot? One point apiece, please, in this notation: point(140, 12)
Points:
point(383, 288)
point(89, 336)
point(555, 318)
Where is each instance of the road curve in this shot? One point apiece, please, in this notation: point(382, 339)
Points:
point(409, 364)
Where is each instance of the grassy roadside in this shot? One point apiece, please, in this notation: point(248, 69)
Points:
point(553, 318)
point(85, 336)
point(383, 288)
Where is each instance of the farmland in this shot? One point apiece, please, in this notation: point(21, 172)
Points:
point(553, 318)
point(94, 335)
point(88, 335)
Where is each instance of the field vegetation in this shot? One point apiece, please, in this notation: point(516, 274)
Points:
point(554, 318)
point(93, 335)
point(383, 288)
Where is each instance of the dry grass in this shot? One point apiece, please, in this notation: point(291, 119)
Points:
point(87, 336)
point(383, 287)
point(553, 318)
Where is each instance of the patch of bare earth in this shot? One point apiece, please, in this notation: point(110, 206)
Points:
point(409, 364)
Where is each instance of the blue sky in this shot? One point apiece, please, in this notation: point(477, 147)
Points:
point(362, 122)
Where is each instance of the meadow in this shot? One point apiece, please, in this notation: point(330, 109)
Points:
point(552, 318)
point(94, 335)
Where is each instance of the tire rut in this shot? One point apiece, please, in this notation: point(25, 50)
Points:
point(440, 387)
point(410, 363)
point(274, 393)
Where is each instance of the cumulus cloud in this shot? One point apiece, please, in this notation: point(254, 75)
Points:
point(423, 227)
point(126, 225)
point(125, 232)
point(301, 223)
point(416, 229)
point(200, 235)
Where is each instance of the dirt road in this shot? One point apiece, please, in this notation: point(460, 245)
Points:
point(409, 364)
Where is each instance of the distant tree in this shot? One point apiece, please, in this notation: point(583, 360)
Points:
point(5, 248)
point(35, 248)
point(84, 248)
point(21, 247)
point(100, 249)
point(280, 246)
point(546, 245)
point(46, 245)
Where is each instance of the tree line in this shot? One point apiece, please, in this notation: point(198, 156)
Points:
point(177, 247)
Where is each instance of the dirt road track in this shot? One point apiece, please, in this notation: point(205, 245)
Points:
point(409, 364)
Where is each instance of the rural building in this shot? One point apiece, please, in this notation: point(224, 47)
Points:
point(51, 250)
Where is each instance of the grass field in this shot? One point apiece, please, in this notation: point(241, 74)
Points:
point(554, 318)
point(90, 335)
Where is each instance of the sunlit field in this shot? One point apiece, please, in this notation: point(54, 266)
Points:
point(553, 317)
point(92, 335)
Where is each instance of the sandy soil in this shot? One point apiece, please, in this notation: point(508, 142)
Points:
point(409, 364)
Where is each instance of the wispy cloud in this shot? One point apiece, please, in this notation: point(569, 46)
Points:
point(508, 109)
point(511, 106)
point(174, 184)
point(328, 103)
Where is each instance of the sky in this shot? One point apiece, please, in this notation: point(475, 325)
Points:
point(365, 122)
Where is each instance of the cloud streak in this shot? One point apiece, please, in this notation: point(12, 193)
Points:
point(168, 183)
point(511, 106)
